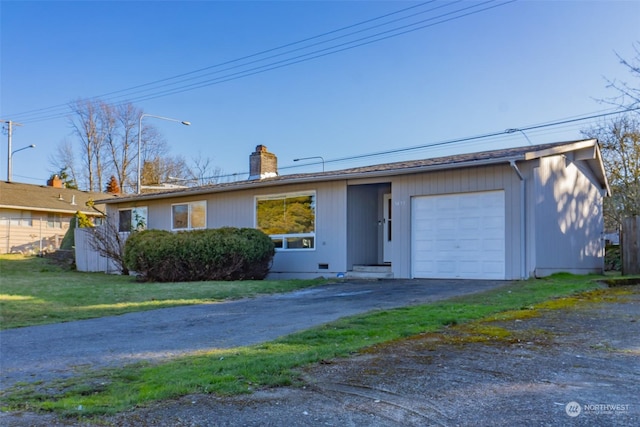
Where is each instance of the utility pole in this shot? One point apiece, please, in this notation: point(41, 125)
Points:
point(10, 125)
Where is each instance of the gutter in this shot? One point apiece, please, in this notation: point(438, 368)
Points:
point(49, 210)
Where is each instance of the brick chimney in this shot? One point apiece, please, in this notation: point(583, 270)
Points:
point(55, 182)
point(262, 164)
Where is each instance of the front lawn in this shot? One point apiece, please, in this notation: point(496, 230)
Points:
point(33, 291)
point(275, 363)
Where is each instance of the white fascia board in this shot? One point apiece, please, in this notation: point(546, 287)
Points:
point(49, 210)
point(561, 149)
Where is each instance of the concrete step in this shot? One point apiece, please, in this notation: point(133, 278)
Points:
point(370, 272)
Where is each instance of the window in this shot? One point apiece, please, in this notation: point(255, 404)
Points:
point(54, 221)
point(132, 219)
point(21, 219)
point(290, 219)
point(188, 216)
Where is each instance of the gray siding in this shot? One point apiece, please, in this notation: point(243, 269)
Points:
point(553, 217)
point(237, 209)
point(569, 222)
point(498, 177)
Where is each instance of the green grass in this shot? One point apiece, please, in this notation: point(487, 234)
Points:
point(34, 291)
point(276, 363)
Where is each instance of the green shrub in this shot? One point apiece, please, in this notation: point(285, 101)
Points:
point(612, 258)
point(213, 254)
point(79, 220)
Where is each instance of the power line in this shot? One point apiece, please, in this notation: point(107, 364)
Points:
point(65, 106)
point(313, 55)
point(466, 139)
point(62, 110)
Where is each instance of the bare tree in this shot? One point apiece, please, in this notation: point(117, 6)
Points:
point(128, 117)
point(628, 94)
point(120, 126)
point(620, 143)
point(203, 171)
point(108, 138)
point(161, 169)
point(87, 127)
point(64, 163)
point(109, 242)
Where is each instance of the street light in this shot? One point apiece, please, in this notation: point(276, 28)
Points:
point(309, 158)
point(138, 182)
point(521, 131)
point(10, 161)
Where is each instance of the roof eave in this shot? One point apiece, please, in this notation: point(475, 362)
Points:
point(50, 210)
point(316, 178)
point(561, 149)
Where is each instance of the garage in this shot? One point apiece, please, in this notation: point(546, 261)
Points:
point(458, 236)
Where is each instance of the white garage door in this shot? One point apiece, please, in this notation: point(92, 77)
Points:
point(458, 236)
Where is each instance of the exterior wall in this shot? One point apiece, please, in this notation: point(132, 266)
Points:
point(486, 178)
point(30, 232)
point(569, 225)
point(237, 209)
point(553, 217)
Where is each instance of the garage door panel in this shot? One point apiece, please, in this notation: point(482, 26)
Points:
point(469, 267)
point(445, 267)
point(470, 244)
point(492, 268)
point(470, 223)
point(445, 226)
point(465, 235)
point(493, 245)
point(495, 223)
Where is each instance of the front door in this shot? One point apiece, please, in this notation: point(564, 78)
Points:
point(386, 234)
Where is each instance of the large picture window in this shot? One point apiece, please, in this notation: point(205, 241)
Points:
point(189, 216)
point(132, 219)
point(290, 219)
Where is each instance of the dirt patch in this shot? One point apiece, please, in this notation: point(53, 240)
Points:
point(521, 369)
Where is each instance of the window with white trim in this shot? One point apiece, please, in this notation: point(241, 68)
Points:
point(54, 220)
point(189, 216)
point(132, 219)
point(21, 219)
point(289, 219)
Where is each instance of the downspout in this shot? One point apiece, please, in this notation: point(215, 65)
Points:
point(523, 223)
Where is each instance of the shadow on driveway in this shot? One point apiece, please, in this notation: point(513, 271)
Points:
point(42, 353)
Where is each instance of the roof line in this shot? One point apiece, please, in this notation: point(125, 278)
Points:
point(25, 208)
point(559, 149)
point(508, 155)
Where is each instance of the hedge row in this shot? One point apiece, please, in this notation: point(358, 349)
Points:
point(212, 254)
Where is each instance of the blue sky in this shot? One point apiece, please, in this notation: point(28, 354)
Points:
point(518, 64)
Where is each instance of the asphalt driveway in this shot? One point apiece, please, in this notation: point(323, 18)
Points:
point(62, 350)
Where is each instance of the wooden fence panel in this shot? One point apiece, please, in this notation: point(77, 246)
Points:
point(630, 246)
point(87, 258)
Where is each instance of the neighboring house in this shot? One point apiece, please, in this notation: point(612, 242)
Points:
point(503, 214)
point(35, 218)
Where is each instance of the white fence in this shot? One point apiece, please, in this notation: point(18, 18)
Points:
point(88, 259)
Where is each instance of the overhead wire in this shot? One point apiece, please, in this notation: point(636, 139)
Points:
point(65, 105)
point(462, 140)
point(62, 110)
point(312, 55)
